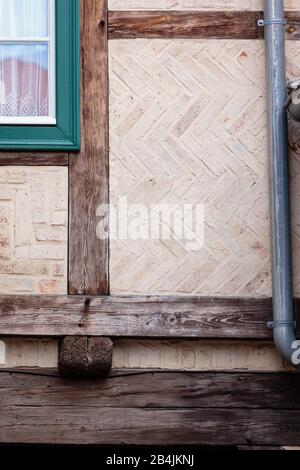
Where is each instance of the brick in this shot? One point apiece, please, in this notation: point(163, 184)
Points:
point(39, 210)
point(31, 353)
point(46, 234)
point(22, 252)
point(9, 175)
point(5, 231)
point(6, 193)
point(47, 252)
point(51, 286)
point(58, 218)
point(197, 356)
point(15, 285)
point(24, 268)
point(33, 230)
point(58, 269)
point(23, 218)
point(194, 132)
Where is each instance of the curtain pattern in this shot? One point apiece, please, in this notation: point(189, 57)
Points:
point(23, 65)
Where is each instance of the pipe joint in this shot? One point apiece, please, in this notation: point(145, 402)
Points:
point(269, 22)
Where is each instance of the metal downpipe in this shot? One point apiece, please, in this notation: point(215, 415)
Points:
point(283, 305)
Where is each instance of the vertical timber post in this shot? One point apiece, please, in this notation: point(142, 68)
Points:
point(89, 169)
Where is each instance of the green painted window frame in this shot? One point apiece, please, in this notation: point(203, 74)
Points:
point(65, 135)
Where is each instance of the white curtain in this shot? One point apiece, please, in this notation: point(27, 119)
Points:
point(23, 65)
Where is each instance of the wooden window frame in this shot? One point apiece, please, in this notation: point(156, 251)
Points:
point(64, 135)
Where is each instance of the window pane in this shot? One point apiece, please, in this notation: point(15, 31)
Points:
point(23, 80)
point(23, 18)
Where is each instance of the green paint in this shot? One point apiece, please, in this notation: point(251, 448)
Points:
point(65, 136)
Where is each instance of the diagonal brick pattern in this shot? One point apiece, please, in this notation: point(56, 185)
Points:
point(195, 4)
point(33, 230)
point(188, 124)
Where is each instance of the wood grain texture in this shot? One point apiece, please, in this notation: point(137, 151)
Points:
point(151, 408)
point(193, 24)
point(34, 159)
point(85, 356)
point(181, 24)
point(88, 172)
point(152, 317)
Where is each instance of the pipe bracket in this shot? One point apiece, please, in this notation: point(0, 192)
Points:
point(278, 324)
point(262, 23)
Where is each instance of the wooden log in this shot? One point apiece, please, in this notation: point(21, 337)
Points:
point(143, 317)
point(194, 25)
point(34, 159)
point(151, 408)
point(85, 356)
point(88, 170)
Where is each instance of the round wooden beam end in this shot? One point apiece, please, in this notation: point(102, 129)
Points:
point(85, 356)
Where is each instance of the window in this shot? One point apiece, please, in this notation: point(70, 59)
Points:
point(39, 74)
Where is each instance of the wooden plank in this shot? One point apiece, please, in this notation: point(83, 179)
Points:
point(145, 317)
point(293, 25)
point(151, 408)
point(182, 24)
point(158, 390)
point(88, 172)
point(193, 24)
point(34, 159)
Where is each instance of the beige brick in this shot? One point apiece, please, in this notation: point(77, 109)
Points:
point(52, 286)
point(165, 355)
point(58, 269)
point(25, 268)
point(5, 231)
point(6, 193)
point(59, 218)
point(16, 285)
point(188, 125)
point(34, 251)
point(23, 218)
point(10, 175)
point(197, 356)
point(22, 252)
point(39, 209)
point(31, 353)
point(50, 234)
point(47, 252)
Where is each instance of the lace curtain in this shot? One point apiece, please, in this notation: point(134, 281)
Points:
point(24, 58)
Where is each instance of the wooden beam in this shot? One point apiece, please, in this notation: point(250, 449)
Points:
point(143, 317)
point(34, 159)
point(85, 356)
point(88, 171)
point(193, 24)
point(151, 408)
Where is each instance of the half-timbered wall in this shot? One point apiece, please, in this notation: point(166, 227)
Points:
point(187, 122)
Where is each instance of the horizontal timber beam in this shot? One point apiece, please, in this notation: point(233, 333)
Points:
point(142, 317)
point(193, 24)
point(34, 159)
point(151, 407)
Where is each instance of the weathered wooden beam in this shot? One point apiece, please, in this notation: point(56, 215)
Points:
point(34, 159)
point(193, 24)
point(151, 408)
point(88, 170)
point(85, 356)
point(145, 317)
